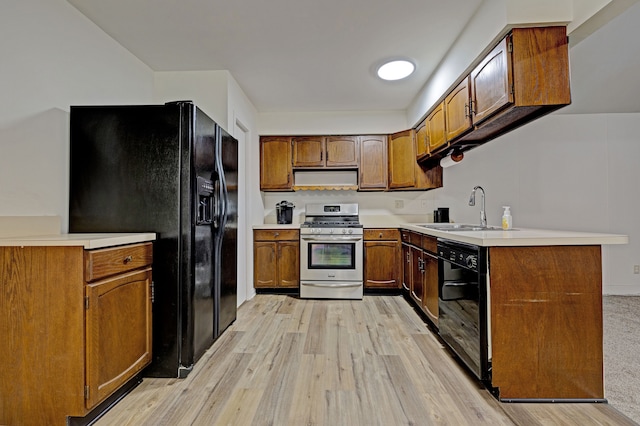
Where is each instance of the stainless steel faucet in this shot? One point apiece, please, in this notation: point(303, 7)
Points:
point(472, 202)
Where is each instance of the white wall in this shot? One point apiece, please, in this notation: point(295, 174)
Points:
point(53, 57)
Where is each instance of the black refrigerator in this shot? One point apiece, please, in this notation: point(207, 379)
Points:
point(168, 169)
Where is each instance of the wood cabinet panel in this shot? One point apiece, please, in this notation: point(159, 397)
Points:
point(417, 275)
point(265, 274)
point(402, 160)
point(309, 151)
point(289, 264)
point(491, 83)
point(118, 332)
point(540, 62)
point(342, 151)
point(406, 267)
point(559, 290)
point(430, 285)
point(276, 172)
point(373, 163)
point(456, 106)
point(436, 128)
point(422, 140)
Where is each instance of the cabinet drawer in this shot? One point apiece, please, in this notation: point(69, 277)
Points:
point(276, 234)
point(430, 243)
point(381, 234)
point(411, 237)
point(115, 260)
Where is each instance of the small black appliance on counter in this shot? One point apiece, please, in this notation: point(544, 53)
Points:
point(441, 215)
point(284, 212)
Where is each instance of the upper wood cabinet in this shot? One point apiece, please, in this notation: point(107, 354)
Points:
point(457, 111)
point(325, 151)
point(276, 173)
point(525, 76)
point(436, 128)
point(373, 163)
point(402, 160)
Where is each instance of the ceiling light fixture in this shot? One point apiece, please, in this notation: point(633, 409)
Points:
point(396, 69)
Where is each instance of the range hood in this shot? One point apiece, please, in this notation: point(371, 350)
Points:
point(315, 180)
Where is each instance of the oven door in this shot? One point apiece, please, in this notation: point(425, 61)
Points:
point(331, 258)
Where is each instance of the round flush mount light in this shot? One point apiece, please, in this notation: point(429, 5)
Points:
point(396, 69)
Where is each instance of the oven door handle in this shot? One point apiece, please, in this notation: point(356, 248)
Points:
point(358, 284)
point(330, 239)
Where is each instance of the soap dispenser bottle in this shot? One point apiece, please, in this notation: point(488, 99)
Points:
point(506, 218)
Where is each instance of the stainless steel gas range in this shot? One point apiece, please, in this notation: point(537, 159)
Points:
point(331, 252)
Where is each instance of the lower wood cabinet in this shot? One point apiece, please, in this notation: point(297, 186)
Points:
point(382, 258)
point(276, 258)
point(420, 271)
point(75, 325)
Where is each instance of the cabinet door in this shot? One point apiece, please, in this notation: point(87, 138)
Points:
point(456, 106)
point(342, 151)
point(406, 267)
point(275, 164)
point(402, 160)
point(435, 122)
point(430, 305)
point(309, 151)
point(289, 264)
point(417, 272)
point(118, 332)
point(422, 148)
point(490, 83)
point(381, 264)
point(264, 264)
point(373, 163)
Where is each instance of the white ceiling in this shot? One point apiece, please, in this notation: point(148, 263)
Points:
point(320, 55)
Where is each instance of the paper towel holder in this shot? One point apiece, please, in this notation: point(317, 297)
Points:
point(452, 159)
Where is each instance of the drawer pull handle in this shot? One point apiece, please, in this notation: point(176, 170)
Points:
point(276, 234)
point(380, 236)
point(128, 259)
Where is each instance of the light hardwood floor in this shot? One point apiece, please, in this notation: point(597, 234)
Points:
point(288, 361)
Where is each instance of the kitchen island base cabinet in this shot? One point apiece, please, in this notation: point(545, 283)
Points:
point(546, 322)
point(76, 327)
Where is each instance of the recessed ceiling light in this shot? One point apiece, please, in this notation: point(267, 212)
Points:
point(396, 70)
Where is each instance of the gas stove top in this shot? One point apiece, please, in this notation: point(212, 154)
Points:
point(331, 216)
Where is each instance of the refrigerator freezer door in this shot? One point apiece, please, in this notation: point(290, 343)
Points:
point(227, 238)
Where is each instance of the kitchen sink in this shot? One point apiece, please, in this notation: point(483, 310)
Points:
point(462, 227)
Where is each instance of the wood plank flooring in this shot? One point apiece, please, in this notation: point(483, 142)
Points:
point(288, 361)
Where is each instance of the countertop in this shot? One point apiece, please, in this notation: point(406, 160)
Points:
point(88, 241)
point(518, 237)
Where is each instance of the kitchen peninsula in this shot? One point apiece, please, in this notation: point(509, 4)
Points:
point(75, 316)
point(544, 305)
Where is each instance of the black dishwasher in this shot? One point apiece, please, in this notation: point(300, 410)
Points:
point(462, 303)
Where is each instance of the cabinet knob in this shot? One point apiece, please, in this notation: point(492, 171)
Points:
point(127, 259)
point(380, 236)
point(276, 234)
